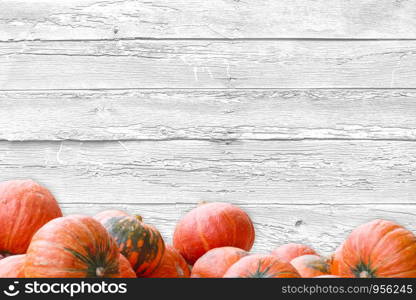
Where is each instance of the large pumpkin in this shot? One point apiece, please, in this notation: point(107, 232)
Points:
point(311, 265)
point(140, 243)
point(216, 262)
point(25, 206)
point(212, 225)
point(73, 247)
point(173, 265)
point(378, 249)
point(261, 266)
point(288, 252)
point(125, 268)
point(12, 266)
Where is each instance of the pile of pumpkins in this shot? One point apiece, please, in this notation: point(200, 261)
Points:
point(212, 240)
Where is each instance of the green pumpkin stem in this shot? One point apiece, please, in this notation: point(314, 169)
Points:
point(139, 218)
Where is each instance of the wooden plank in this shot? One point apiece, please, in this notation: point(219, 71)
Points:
point(323, 227)
point(207, 64)
point(301, 172)
point(95, 19)
point(208, 114)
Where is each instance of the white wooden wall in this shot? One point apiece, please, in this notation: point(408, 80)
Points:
point(301, 112)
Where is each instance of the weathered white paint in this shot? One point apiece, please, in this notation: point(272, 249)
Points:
point(101, 19)
point(247, 172)
point(323, 227)
point(208, 115)
point(207, 64)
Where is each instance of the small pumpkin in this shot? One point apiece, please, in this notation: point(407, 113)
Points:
point(311, 265)
point(140, 243)
point(334, 261)
point(25, 206)
point(378, 249)
point(213, 225)
point(261, 266)
point(12, 266)
point(173, 265)
point(125, 268)
point(216, 262)
point(288, 252)
point(72, 247)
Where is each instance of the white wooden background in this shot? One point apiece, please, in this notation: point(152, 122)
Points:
point(301, 112)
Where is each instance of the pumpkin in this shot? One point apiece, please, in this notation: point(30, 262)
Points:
point(216, 262)
point(25, 206)
point(311, 265)
point(125, 268)
point(12, 266)
point(140, 243)
point(212, 225)
point(72, 247)
point(334, 261)
point(288, 252)
point(173, 265)
point(261, 266)
point(378, 249)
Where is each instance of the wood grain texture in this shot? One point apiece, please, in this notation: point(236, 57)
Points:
point(323, 227)
point(289, 172)
point(207, 64)
point(208, 115)
point(101, 19)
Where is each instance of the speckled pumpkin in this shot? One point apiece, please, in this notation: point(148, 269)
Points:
point(140, 243)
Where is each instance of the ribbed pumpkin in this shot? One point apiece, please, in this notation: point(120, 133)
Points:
point(311, 265)
point(216, 262)
point(173, 265)
point(288, 252)
point(140, 243)
point(25, 206)
point(72, 247)
point(125, 269)
point(212, 225)
point(12, 266)
point(261, 266)
point(378, 249)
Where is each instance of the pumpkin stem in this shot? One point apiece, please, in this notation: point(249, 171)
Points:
point(100, 272)
point(139, 218)
point(364, 274)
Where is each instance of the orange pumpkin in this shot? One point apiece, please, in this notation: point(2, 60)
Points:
point(288, 252)
point(311, 265)
point(140, 243)
point(216, 262)
point(378, 249)
point(261, 266)
point(25, 206)
point(334, 261)
point(73, 247)
point(12, 266)
point(125, 268)
point(210, 226)
point(173, 265)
